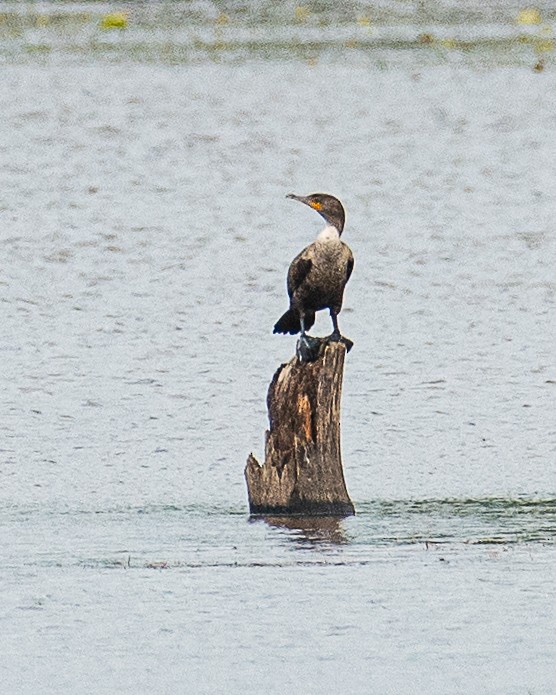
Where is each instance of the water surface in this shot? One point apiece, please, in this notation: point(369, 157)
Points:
point(144, 242)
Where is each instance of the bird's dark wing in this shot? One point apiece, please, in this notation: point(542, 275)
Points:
point(349, 269)
point(350, 263)
point(298, 271)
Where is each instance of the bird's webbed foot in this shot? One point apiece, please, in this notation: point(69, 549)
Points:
point(307, 348)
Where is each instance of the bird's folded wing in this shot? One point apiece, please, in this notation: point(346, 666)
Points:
point(299, 269)
point(349, 266)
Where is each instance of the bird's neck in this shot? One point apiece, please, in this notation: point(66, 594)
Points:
point(329, 233)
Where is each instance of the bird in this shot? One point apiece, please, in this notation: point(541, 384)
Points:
point(317, 276)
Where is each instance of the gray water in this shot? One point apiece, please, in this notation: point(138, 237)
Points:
point(144, 242)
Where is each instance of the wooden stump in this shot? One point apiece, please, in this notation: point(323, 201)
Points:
point(302, 472)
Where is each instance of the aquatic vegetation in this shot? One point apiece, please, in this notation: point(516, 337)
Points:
point(302, 13)
point(114, 20)
point(544, 42)
point(529, 15)
point(177, 32)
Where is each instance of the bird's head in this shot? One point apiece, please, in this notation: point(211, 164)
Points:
point(326, 205)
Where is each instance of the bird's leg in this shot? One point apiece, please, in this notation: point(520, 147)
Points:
point(336, 336)
point(307, 349)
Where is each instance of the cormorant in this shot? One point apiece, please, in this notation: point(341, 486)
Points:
point(317, 276)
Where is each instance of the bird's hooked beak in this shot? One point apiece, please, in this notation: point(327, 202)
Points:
point(297, 197)
point(306, 200)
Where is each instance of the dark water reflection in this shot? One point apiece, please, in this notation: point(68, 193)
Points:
point(310, 530)
point(489, 521)
point(473, 521)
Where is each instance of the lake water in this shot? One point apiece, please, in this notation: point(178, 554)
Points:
point(144, 242)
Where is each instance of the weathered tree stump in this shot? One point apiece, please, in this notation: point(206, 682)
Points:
point(302, 472)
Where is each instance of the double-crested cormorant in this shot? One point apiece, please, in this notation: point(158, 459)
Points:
point(317, 276)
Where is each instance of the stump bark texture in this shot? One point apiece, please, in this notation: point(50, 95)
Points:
point(302, 472)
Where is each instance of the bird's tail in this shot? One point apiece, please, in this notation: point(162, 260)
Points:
point(290, 323)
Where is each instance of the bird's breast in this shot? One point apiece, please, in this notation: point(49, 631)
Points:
point(326, 280)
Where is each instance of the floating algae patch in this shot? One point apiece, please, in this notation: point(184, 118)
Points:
point(114, 20)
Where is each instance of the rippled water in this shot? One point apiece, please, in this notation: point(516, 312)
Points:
point(144, 241)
